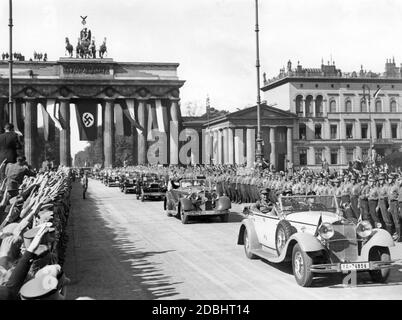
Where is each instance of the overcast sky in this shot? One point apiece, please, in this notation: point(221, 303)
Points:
point(214, 40)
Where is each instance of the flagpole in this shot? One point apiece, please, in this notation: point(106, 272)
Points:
point(371, 125)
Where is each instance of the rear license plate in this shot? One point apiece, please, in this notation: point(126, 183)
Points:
point(355, 266)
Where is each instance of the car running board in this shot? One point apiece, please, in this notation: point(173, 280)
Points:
point(271, 257)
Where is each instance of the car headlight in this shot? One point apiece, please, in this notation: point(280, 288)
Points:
point(364, 229)
point(326, 231)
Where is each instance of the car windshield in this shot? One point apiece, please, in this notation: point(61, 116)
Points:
point(308, 203)
point(192, 183)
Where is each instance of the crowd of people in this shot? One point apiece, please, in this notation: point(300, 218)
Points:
point(371, 192)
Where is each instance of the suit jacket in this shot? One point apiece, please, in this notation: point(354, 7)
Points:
point(9, 143)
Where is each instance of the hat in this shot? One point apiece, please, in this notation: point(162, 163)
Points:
point(371, 178)
point(265, 191)
point(31, 233)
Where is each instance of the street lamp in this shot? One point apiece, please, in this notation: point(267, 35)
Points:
point(369, 109)
point(10, 64)
point(258, 153)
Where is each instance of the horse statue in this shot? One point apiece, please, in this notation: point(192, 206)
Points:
point(69, 48)
point(102, 49)
point(92, 49)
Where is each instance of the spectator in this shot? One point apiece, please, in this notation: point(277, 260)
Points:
point(15, 173)
point(84, 183)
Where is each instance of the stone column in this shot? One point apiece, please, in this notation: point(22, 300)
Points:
point(31, 131)
point(272, 133)
point(239, 146)
point(65, 145)
point(174, 132)
point(108, 134)
point(207, 146)
point(342, 129)
point(220, 147)
point(358, 130)
point(289, 143)
point(230, 146)
point(342, 155)
point(225, 157)
point(250, 145)
point(142, 113)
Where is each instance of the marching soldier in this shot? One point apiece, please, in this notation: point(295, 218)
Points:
point(354, 198)
point(363, 197)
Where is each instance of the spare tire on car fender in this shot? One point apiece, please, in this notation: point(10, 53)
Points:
point(284, 231)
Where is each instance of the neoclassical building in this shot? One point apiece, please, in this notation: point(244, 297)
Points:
point(334, 121)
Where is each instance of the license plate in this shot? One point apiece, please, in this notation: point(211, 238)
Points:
point(355, 266)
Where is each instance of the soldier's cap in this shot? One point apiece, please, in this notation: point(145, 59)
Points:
point(371, 179)
point(265, 191)
point(353, 177)
point(46, 284)
point(381, 177)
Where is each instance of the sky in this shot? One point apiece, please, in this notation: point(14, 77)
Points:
point(214, 40)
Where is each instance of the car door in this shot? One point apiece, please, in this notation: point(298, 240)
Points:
point(270, 223)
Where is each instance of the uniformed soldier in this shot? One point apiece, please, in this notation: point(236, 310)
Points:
point(383, 202)
point(264, 204)
point(354, 198)
point(393, 205)
point(373, 201)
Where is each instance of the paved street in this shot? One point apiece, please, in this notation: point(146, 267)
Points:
point(121, 248)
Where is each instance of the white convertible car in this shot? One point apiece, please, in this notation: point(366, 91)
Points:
point(311, 233)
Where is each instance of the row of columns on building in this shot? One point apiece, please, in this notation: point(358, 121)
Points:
point(226, 146)
point(141, 137)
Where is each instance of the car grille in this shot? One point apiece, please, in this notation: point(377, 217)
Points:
point(343, 245)
point(208, 205)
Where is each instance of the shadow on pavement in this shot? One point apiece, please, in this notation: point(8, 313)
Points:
point(104, 263)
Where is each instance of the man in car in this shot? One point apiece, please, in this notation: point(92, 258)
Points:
point(264, 204)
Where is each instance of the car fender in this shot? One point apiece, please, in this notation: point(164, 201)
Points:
point(248, 225)
point(186, 204)
point(380, 238)
point(223, 203)
point(306, 241)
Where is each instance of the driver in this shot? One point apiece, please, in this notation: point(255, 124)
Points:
point(264, 204)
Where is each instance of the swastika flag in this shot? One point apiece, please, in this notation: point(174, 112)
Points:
point(87, 119)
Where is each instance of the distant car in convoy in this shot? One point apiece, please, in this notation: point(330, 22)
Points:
point(129, 183)
point(112, 180)
point(311, 233)
point(151, 186)
point(195, 198)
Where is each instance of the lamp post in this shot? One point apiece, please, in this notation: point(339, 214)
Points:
point(258, 153)
point(369, 110)
point(10, 63)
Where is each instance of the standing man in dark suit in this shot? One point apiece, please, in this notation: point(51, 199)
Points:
point(9, 144)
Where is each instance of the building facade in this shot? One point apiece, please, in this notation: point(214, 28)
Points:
point(339, 114)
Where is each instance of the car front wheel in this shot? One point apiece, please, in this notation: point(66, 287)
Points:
point(247, 246)
point(379, 254)
point(301, 263)
point(184, 217)
point(282, 235)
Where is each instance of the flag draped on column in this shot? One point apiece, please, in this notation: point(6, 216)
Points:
point(48, 125)
point(18, 119)
point(87, 119)
point(52, 110)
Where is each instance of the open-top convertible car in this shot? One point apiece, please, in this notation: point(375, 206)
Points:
point(151, 186)
point(128, 183)
point(311, 233)
point(196, 197)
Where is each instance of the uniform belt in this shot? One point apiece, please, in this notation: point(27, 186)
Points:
point(394, 200)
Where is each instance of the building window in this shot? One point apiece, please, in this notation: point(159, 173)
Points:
point(378, 106)
point(299, 106)
point(317, 132)
point(301, 85)
point(349, 131)
point(348, 105)
point(332, 85)
point(332, 106)
point(333, 130)
point(334, 156)
point(394, 131)
point(319, 112)
point(364, 131)
point(309, 106)
point(303, 157)
point(302, 131)
point(379, 131)
point(349, 155)
point(318, 156)
point(363, 105)
point(392, 106)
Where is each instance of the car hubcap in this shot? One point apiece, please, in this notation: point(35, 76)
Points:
point(298, 265)
point(281, 240)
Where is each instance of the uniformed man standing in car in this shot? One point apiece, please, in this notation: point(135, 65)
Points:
point(373, 202)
